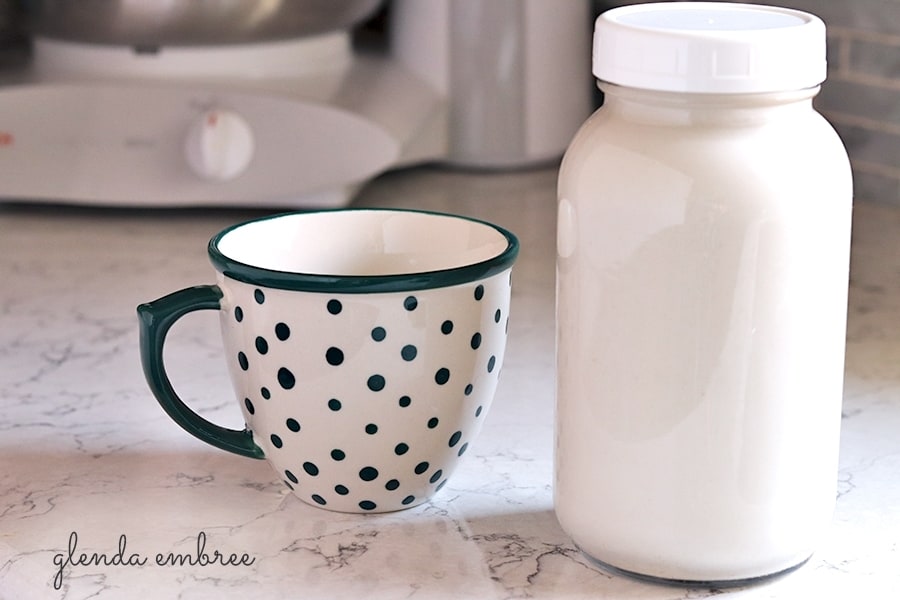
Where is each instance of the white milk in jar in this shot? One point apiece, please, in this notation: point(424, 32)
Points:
point(703, 254)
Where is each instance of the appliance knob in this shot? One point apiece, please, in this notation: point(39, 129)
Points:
point(219, 145)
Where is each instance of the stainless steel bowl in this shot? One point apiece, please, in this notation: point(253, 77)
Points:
point(191, 22)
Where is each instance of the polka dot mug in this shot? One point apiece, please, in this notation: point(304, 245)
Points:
point(364, 346)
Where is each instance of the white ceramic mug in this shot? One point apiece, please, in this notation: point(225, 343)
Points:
point(364, 347)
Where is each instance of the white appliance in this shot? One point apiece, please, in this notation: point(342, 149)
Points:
point(296, 123)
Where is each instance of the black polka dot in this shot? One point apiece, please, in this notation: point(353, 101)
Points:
point(311, 468)
point(341, 489)
point(276, 441)
point(433, 422)
point(250, 408)
point(288, 483)
point(404, 401)
point(410, 303)
point(334, 404)
point(293, 425)
point(335, 307)
point(408, 352)
point(318, 499)
point(468, 390)
point(462, 449)
point(476, 341)
point(378, 334)
point(338, 454)
point(478, 411)
point(454, 439)
point(442, 376)
point(479, 292)
point(376, 383)
point(368, 473)
point(421, 467)
point(371, 428)
point(436, 477)
point(243, 362)
point(401, 449)
point(265, 393)
point(408, 500)
point(334, 356)
point(497, 316)
point(367, 505)
point(282, 331)
point(259, 296)
point(262, 346)
point(285, 378)
point(492, 362)
point(291, 476)
point(238, 314)
point(447, 327)
point(392, 485)
point(440, 485)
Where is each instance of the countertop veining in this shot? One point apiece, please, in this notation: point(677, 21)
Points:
point(90, 464)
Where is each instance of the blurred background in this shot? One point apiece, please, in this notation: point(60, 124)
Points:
point(291, 103)
point(485, 85)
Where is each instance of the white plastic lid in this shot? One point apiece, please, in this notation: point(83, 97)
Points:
point(709, 47)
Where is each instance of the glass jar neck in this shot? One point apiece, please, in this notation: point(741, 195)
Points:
point(673, 108)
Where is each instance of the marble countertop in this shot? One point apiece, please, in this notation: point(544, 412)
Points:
point(89, 463)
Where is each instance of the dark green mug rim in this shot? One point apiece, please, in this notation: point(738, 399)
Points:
point(358, 284)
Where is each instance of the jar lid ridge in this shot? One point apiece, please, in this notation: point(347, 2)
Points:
point(709, 47)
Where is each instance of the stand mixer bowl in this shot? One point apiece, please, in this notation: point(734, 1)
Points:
point(143, 23)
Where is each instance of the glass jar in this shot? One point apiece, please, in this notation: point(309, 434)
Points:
point(703, 257)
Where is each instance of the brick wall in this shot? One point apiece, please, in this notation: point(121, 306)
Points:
point(862, 95)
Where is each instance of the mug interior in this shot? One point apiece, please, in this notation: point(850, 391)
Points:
point(362, 243)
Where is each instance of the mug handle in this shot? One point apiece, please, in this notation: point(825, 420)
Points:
point(155, 320)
